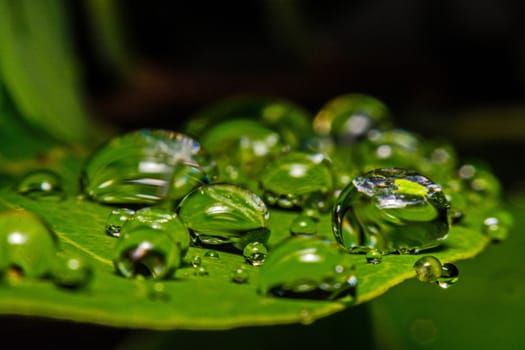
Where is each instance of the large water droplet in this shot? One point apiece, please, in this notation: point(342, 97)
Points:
point(45, 185)
point(255, 253)
point(162, 220)
point(294, 177)
point(27, 244)
point(71, 271)
point(428, 269)
point(145, 167)
point(147, 252)
point(308, 267)
point(225, 214)
point(349, 117)
point(391, 210)
point(116, 219)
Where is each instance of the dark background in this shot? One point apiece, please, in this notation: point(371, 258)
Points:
point(447, 68)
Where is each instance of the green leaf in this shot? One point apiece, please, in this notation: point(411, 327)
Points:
point(188, 301)
point(38, 69)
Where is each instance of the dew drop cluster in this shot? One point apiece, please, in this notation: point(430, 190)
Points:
point(214, 184)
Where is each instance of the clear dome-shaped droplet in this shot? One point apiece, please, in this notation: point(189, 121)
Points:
point(162, 220)
point(303, 225)
point(200, 271)
point(308, 267)
point(449, 276)
point(428, 269)
point(255, 253)
point(44, 185)
point(145, 167)
point(374, 256)
point(391, 210)
point(240, 275)
point(27, 243)
point(116, 219)
point(295, 177)
point(212, 254)
point(290, 121)
point(497, 225)
point(349, 117)
point(71, 271)
point(196, 261)
point(225, 214)
point(147, 252)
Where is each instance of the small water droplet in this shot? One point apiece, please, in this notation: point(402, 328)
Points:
point(428, 269)
point(27, 243)
point(196, 261)
point(449, 275)
point(147, 252)
point(44, 185)
point(306, 317)
point(200, 271)
point(497, 226)
point(71, 271)
point(240, 275)
point(255, 253)
point(374, 256)
point(303, 225)
point(157, 292)
point(116, 219)
point(145, 167)
point(391, 210)
point(295, 177)
point(308, 267)
point(212, 254)
point(220, 214)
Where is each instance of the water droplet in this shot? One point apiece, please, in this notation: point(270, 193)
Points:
point(349, 117)
point(306, 317)
point(27, 244)
point(116, 219)
point(428, 269)
point(449, 275)
point(196, 261)
point(308, 267)
point(157, 292)
point(303, 225)
point(147, 252)
point(255, 253)
point(145, 167)
point(481, 186)
point(212, 254)
point(44, 185)
point(71, 271)
point(296, 176)
point(243, 143)
point(240, 275)
point(292, 122)
point(391, 210)
point(497, 226)
point(200, 271)
point(225, 214)
point(162, 220)
point(374, 256)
